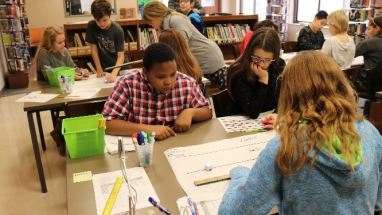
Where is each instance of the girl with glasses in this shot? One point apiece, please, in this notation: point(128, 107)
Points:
point(253, 79)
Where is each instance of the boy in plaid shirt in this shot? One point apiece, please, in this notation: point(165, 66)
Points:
point(155, 99)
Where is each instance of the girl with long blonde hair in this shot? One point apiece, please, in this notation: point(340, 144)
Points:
point(52, 53)
point(325, 160)
point(185, 61)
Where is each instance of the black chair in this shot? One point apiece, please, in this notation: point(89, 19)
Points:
point(375, 115)
point(83, 108)
point(352, 74)
point(223, 104)
point(289, 46)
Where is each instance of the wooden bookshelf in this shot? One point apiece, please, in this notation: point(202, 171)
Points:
point(133, 43)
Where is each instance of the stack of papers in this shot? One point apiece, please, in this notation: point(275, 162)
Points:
point(111, 144)
point(37, 97)
point(103, 184)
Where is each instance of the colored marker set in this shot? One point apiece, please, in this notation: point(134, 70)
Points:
point(144, 146)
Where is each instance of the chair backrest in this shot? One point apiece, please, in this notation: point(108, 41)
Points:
point(223, 104)
point(352, 74)
point(375, 115)
point(289, 46)
point(84, 108)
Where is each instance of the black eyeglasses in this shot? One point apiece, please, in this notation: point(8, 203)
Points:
point(257, 59)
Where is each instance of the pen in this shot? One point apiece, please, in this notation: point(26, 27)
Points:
point(191, 205)
point(160, 207)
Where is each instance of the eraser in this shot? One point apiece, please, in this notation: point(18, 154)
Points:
point(208, 166)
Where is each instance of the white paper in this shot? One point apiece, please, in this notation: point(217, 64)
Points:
point(83, 93)
point(37, 97)
point(111, 144)
point(188, 162)
point(103, 184)
point(357, 61)
point(92, 83)
point(206, 205)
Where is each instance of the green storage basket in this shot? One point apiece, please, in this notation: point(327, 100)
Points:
point(83, 137)
point(54, 74)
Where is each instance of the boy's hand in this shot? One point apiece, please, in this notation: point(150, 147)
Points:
point(162, 132)
point(100, 73)
point(111, 78)
point(85, 73)
point(183, 121)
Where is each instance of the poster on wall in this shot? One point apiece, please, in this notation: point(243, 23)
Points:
point(141, 5)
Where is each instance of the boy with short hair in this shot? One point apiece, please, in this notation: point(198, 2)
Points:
point(106, 39)
point(311, 37)
point(155, 99)
point(186, 8)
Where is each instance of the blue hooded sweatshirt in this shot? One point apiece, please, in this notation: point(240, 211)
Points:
point(327, 188)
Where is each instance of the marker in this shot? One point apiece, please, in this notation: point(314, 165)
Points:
point(160, 207)
point(191, 205)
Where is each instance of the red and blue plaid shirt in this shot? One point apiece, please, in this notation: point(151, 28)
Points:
point(134, 99)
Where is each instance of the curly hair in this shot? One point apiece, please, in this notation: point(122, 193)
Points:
point(318, 105)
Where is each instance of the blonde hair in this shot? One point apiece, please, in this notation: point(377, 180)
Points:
point(155, 9)
point(316, 105)
point(47, 41)
point(339, 20)
point(185, 61)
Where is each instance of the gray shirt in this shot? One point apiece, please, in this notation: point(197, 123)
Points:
point(342, 53)
point(371, 50)
point(206, 51)
point(52, 59)
point(109, 42)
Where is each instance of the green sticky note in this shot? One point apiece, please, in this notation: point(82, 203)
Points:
point(82, 176)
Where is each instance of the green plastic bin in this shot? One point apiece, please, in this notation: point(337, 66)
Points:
point(57, 72)
point(83, 137)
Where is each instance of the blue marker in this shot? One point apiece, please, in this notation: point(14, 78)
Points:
point(191, 205)
point(160, 207)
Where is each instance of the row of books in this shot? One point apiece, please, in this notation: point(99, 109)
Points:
point(21, 51)
point(359, 3)
point(147, 37)
point(227, 33)
point(18, 65)
point(358, 15)
point(86, 50)
point(13, 24)
point(79, 39)
point(357, 29)
point(11, 11)
point(14, 38)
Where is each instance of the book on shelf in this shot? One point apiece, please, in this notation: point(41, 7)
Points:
point(129, 36)
point(359, 3)
point(227, 33)
point(147, 37)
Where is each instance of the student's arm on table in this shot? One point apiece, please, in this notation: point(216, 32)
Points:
point(97, 62)
point(125, 128)
point(114, 73)
point(184, 120)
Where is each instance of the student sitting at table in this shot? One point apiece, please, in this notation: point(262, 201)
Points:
point(185, 61)
point(155, 99)
point(196, 7)
point(311, 37)
point(325, 159)
point(253, 80)
point(52, 53)
point(206, 51)
point(340, 46)
point(371, 50)
point(249, 34)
